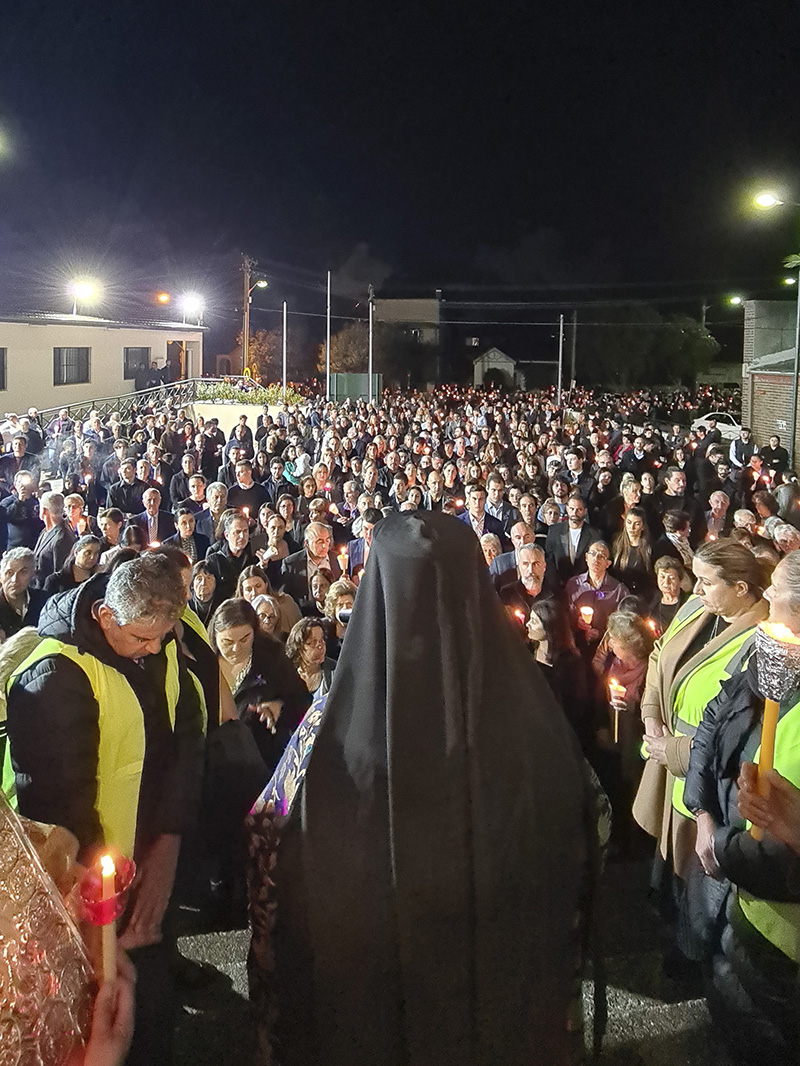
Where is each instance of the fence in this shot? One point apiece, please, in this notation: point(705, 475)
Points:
point(182, 393)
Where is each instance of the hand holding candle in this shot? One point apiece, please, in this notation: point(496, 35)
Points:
point(778, 663)
point(616, 695)
point(587, 614)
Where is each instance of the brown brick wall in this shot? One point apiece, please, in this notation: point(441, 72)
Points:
point(766, 407)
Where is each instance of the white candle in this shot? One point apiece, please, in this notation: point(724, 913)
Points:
point(109, 890)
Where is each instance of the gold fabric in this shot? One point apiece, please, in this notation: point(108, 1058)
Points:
point(46, 982)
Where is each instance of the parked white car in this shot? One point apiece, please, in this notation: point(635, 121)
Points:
point(726, 424)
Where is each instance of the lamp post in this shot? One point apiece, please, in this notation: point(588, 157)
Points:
point(82, 290)
point(193, 304)
point(262, 283)
point(766, 201)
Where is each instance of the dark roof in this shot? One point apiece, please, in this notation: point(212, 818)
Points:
point(45, 318)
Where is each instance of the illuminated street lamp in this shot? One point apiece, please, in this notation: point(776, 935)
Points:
point(768, 200)
point(193, 305)
point(163, 298)
point(735, 301)
point(84, 291)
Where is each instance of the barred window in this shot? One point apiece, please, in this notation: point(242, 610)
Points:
point(71, 366)
point(133, 358)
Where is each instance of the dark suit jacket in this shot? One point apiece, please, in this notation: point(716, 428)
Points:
point(490, 525)
point(201, 543)
point(165, 525)
point(556, 549)
point(294, 574)
point(52, 549)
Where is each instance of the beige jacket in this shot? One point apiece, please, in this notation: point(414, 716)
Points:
point(652, 808)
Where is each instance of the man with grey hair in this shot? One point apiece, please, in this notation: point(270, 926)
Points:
point(56, 539)
point(786, 538)
point(156, 524)
point(206, 521)
point(504, 568)
point(519, 596)
point(317, 554)
point(20, 605)
point(106, 736)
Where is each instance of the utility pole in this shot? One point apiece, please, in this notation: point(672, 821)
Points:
point(246, 269)
point(328, 344)
point(560, 358)
point(371, 331)
point(703, 312)
point(573, 344)
point(285, 332)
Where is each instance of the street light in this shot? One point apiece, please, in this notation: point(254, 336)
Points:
point(83, 290)
point(193, 304)
point(768, 200)
point(735, 301)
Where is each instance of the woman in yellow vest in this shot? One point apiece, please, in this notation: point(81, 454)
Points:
point(751, 940)
point(710, 638)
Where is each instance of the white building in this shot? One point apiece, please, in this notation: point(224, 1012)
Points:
point(496, 368)
point(53, 360)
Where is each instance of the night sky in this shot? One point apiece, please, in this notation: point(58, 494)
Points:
point(578, 143)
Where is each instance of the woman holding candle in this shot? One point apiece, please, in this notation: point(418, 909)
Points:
point(619, 669)
point(745, 914)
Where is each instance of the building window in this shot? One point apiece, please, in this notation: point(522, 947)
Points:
point(71, 366)
point(3, 358)
point(133, 359)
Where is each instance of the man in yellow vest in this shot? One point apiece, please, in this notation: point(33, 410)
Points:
point(106, 737)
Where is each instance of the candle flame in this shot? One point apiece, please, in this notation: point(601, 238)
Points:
point(107, 866)
point(778, 631)
point(653, 624)
point(520, 615)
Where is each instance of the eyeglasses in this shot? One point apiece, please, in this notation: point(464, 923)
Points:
point(597, 555)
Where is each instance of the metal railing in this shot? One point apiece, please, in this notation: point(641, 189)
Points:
point(181, 393)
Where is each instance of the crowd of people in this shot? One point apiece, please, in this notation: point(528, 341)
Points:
point(174, 598)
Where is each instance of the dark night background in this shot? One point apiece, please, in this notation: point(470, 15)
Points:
point(577, 144)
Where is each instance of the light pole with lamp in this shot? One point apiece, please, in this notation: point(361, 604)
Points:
point(766, 201)
point(261, 283)
point(84, 291)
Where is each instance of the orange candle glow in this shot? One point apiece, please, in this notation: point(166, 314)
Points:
point(520, 615)
point(616, 692)
point(587, 614)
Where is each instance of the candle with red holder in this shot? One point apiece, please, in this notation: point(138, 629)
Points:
point(104, 895)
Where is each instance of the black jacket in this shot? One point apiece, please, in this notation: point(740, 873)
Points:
point(226, 568)
point(53, 728)
point(272, 677)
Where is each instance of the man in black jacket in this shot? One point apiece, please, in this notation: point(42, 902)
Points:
point(56, 539)
point(126, 494)
point(129, 683)
point(227, 562)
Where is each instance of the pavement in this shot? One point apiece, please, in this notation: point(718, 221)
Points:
point(651, 1022)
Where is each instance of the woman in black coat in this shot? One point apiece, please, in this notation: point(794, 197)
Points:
point(269, 694)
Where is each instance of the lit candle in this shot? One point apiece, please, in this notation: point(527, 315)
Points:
point(459, 503)
point(155, 543)
point(587, 614)
point(343, 561)
point(246, 512)
point(772, 679)
point(520, 615)
point(109, 890)
point(653, 625)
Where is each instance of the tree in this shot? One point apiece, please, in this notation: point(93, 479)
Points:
point(625, 346)
point(396, 354)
